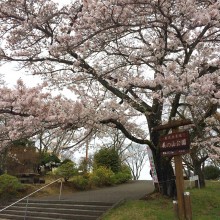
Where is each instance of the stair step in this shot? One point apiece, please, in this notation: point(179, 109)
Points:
point(53, 210)
point(17, 217)
point(65, 206)
point(50, 215)
point(71, 202)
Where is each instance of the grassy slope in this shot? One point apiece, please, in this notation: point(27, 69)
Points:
point(205, 206)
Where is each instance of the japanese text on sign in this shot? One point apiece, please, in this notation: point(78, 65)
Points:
point(175, 143)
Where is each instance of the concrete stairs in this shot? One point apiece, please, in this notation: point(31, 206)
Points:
point(58, 209)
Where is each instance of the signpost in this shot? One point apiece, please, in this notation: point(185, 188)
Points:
point(176, 144)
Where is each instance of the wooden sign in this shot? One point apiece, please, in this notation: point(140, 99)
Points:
point(177, 143)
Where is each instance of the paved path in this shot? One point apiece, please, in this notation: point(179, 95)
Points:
point(132, 190)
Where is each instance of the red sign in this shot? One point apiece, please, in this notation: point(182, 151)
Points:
point(175, 143)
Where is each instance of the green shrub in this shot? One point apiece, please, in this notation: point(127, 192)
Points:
point(108, 157)
point(9, 187)
point(121, 177)
point(211, 172)
point(66, 170)
point(102, 176)
point(66, 161)
point(124, 175)
point(80, 182)
point(94, 180)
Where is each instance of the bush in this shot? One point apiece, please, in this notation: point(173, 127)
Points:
point(102, 176)
point(124, 175)
point(66, 170)
point(211, 172)
point(80, 182)
point(9, 187)
point(67, 160)
point(108, 157)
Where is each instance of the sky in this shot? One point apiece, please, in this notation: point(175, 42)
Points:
point(11, 75)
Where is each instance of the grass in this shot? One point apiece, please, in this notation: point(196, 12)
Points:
point(205, 206)
point(206, 202)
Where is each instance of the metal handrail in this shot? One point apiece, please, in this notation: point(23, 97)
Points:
point(34, 193)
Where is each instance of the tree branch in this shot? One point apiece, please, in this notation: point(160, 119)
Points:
point(121, 127)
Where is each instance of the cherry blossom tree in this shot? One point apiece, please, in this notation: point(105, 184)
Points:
point(131, 63)
point(55, 140)
point(204, 137)
point(26, 112)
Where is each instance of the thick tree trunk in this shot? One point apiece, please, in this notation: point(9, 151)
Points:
point(163, 165)
point(166, 176)
point(3, 161)
point(198, 171)
point(197, 166)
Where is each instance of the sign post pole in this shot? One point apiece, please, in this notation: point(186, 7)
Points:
point(188, 207)
point(180, 185)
